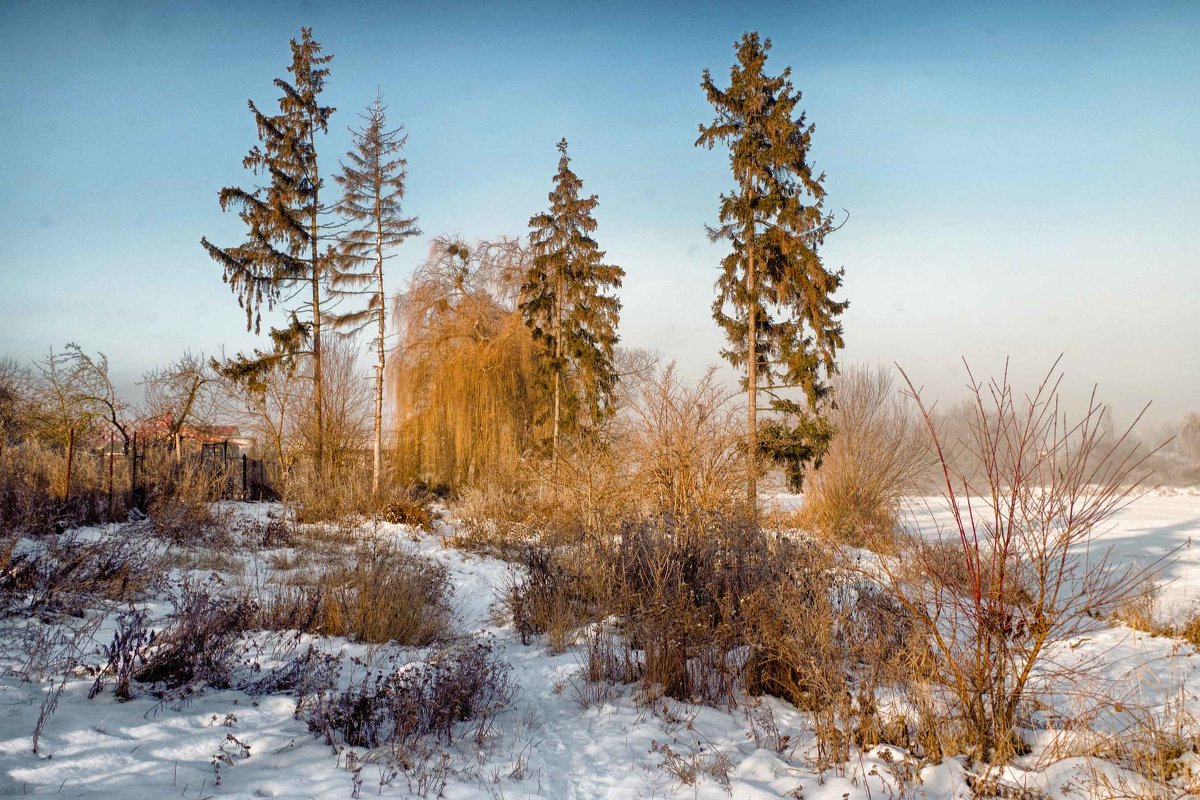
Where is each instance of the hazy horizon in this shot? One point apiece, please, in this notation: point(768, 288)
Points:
point(1018, 182)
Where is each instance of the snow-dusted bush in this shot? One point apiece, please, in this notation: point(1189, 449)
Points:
point(202, 643)
point(455, 694)
point(65, 573)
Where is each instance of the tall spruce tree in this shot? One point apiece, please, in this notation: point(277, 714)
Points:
point(286, 253)
point(564, 303)
point(774, 296)
point(373, 188)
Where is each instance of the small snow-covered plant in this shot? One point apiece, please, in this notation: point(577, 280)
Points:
point(229, 752)
point(61, 651)
point(760, 718)
point(456, 694)
point(268, 534)
point(309, 675)
point(61, 574)
point(1018, 570)
point(904, 773)
point(688, 766)
point(125, 654)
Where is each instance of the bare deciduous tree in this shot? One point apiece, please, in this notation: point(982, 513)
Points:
point(96, 387)
point(180, 394)
point(62, 410)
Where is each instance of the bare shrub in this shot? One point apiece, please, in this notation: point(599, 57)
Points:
point(590, 487)
point(548, 598)
point(380, 594)
point(685, 446)
point(828, 643)
point(65, 574)
point(684, 589)
point(1028, 572)
point(125, 655)
point(180, 498)
point(274, 532)
point(878, 455)
point(683, 596)
point(675, 450)
point(201, 645)
point(456, 694)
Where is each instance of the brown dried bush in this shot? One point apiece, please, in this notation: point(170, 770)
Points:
point(684, 446)
point(65, 574)
point(378, 594)
point(181, 498)
point(879, 454)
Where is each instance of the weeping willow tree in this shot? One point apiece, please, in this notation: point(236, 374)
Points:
point(463, 372)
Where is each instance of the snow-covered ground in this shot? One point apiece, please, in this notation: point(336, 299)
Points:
point(546, 745)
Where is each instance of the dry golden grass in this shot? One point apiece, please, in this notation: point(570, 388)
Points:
point(878, 455)
point(377, 594)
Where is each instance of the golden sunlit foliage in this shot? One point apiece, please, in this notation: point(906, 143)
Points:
point(461, 381)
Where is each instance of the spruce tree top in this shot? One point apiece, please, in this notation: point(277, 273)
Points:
point(373, 180)
point(564, 301)
point(774, 215)
point(281, 216)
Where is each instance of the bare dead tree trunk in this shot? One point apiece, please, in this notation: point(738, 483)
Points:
point(377, 445)
point(112, 443)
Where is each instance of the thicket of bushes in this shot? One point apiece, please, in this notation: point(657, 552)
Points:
point(635, 545)
point(670, 586)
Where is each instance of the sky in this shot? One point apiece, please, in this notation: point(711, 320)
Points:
point(1017, 181)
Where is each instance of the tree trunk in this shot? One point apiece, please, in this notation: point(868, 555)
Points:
point(112, 443)
point(752, 382)
point(557, 371)
point(70, 462)
point(377, 464)
point(318, 393)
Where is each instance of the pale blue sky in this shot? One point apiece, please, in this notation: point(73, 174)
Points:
point(1020, 181)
